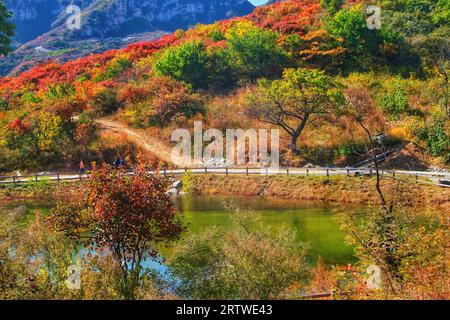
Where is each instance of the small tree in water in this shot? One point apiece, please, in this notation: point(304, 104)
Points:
point(128, 216)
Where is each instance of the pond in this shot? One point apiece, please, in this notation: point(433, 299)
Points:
point(313, 222)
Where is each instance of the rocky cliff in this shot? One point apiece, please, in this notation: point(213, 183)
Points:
point(42, 33)
point(117, 18)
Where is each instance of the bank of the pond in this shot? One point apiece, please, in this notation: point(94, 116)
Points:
point(40, 191)
point(338, 189)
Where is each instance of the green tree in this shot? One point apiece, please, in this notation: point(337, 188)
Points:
point(6, 29)
point(332, 6)
point(254, 52)
point(394, 99)
point(351, 25)
point(435, 53)
point(187, 63)
point(300, 98)
point(441, 13)
point(362, 44)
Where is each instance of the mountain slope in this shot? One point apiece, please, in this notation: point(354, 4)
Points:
point(35, 17)
point(42, 33)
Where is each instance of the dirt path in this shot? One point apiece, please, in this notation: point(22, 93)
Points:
point(141, 138)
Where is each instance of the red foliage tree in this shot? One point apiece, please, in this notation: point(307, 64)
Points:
point(128, 216)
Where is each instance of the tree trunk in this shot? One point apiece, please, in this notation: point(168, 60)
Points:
point(298, 132)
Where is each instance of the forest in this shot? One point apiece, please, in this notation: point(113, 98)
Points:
point(234, 73)
point(339, 90)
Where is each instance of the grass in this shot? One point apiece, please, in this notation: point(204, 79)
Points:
point(354, 190)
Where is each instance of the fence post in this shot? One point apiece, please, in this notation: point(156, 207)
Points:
point(57, 176)
point(246, 171)
point(348, 172)
point(14, 180)
point(328, 172)
point(287, 171)
point(417, 178)
point(226, 171)
point(307, 171)
point(393, 174)
point(206, 170)
point(36, 177)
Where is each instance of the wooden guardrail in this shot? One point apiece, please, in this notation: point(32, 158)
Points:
point(437, 178)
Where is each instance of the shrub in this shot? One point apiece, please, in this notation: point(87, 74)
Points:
point(436, 139)
point(186, 63)
point(254, 52)
point(239, 263)
point(105, 102)
point(165, 98)
point(59, 91)
point(332, 6)
point(350, 25)
point(114, 68)
point(394, 101)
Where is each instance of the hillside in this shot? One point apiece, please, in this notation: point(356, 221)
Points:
point(223, 74)
point(42, 34)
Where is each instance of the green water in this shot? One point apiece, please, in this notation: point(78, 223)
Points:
point(313, 222)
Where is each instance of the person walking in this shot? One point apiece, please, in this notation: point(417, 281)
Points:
point(81, 167)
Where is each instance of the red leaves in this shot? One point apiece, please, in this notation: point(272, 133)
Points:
point(128, 216)
point(131, 211)
point(142, 49)
point(290, 16)
point(18, 126)
point(133, 94)
point(294, 16)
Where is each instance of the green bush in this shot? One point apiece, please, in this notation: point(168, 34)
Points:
point(115, 68)
point(56, 91)
point(332, 6)
point(247, 261)
point(254, 52)
point(394, 101)
point(436, 139)
point(186, 63)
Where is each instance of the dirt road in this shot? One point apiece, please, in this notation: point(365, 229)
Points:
point(140, 137)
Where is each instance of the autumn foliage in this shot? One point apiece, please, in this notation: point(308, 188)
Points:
point(129, 216)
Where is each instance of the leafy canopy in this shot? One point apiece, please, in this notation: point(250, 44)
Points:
point(6, 29)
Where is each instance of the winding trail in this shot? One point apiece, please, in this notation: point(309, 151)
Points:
point(140, 137)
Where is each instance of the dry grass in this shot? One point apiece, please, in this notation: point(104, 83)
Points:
point(355, 190)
